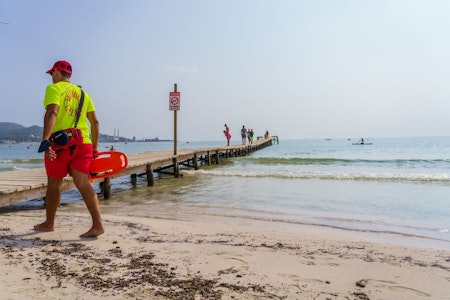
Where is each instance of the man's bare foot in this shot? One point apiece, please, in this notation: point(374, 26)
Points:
point(43, 227)
point(93, 232)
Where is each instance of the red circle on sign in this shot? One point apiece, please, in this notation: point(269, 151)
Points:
point(174, 100)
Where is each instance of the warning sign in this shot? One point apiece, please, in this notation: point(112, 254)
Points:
point(174, 101)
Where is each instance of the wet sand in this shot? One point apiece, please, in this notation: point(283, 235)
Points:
point(173, 258)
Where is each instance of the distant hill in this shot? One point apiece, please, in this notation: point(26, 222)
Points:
point(15, 133)
point(7, 126)
point(18, 133)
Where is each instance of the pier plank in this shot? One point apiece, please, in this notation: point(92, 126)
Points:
point(27, 184)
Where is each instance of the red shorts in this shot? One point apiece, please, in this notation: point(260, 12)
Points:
point(79, 159)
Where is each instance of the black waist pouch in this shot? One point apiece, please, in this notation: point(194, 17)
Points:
point(66, 138)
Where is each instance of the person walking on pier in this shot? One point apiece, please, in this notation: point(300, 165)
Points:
point(227, 134)
point(244, 135)
point(250, 136)
point(67, 145)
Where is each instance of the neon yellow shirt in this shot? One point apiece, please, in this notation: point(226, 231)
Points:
point(67, 96)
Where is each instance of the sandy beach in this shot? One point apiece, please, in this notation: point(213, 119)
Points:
point(173, 258)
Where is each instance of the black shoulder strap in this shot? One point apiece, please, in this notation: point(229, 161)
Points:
point(80, 107)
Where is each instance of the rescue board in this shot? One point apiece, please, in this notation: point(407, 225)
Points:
point(107, 164)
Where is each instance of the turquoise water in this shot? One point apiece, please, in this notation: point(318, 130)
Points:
point(396, 189)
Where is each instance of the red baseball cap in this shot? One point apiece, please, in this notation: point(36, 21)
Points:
point(61, 65)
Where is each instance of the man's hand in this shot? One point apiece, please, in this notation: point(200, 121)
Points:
point(94, 153)
point(45, 144)
point(47, 147)
point(50, 153)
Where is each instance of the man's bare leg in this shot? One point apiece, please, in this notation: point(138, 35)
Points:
point(52, 201)
point(83, 184)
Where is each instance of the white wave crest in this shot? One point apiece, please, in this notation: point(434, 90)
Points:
point(327, 175)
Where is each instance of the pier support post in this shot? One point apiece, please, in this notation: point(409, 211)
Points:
point(133, 179)
point(209, 158)
point(150, 178)
point(195, 161)
point(217, 157)
point(107, 188)
point(176, 168)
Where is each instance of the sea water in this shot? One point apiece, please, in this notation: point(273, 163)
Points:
point(394, 190)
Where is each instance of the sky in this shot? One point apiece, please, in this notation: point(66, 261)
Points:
point(299, 69)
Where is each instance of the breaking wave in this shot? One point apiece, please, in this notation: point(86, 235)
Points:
point(329, 175)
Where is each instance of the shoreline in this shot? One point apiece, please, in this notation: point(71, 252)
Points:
point(231, 216)
point(171, 257)
point(256, 218)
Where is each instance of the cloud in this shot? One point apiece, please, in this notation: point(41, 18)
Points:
point(180, 69)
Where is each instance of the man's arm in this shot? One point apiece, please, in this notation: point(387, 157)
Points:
point(95, 129)
point(49, 120)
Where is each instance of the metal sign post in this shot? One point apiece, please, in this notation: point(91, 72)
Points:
point(174, 105)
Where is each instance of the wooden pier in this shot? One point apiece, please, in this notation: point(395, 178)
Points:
point(23, 185)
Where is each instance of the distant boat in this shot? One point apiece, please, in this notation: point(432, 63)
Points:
point(362, 142)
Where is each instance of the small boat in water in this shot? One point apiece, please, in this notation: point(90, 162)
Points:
point(361, 142)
